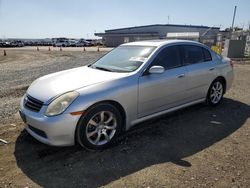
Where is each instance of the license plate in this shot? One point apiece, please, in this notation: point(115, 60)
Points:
point(22, 116)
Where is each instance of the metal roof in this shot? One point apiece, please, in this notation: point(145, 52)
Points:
point(167, 25)
point(128, 34)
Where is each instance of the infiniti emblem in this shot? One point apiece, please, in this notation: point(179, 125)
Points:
point(25, 100)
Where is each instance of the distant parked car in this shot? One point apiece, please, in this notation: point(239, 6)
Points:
point(61, 43)
point(28, 43)
point(1, 43)
point(136, 81)
point(11, 43)
point(94, 42)
point(7, 44)
point(82, 43)
point(17, 43)
point(72, 42)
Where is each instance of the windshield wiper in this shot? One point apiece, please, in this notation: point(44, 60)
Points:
point(102, 68)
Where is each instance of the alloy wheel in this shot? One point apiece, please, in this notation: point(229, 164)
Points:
point(216, 92)
point(101, 128)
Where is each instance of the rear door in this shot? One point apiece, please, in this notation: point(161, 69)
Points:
point(200, 70)
point(159, 92)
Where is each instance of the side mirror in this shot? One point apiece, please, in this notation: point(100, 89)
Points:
point(156, 70)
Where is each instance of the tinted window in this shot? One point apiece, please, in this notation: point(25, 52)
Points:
point(192, 54)
point(168, 58)
point(207, 55)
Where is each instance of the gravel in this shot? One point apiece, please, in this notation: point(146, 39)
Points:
point(26, 66)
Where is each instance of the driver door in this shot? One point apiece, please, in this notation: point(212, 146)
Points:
point(158, 92)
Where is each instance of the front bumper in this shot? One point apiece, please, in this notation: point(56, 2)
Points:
point(56, 131)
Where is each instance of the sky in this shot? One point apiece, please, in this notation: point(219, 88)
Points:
point(82, 18)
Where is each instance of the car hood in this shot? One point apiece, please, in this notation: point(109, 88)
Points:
point(52, 85)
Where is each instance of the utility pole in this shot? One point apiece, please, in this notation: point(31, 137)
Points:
point(234, 17)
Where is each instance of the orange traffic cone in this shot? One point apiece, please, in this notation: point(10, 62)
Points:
point(60, 48)
point(4, 53)
point(37, 49)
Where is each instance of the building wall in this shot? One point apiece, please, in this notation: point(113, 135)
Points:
point(113, 41)
point(162, 30)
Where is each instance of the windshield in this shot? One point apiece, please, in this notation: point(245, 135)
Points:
point(124, 58)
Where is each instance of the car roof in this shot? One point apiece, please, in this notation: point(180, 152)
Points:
point(158, 43)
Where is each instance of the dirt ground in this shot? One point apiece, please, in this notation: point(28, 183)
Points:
point(196, 147)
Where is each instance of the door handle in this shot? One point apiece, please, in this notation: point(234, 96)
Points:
point(212, 68)
point(181, 76)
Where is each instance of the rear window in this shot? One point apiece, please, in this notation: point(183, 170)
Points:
point(192, 54)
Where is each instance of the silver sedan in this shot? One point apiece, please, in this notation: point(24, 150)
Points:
point(134, 82)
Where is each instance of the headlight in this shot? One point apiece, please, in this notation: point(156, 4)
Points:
point(61, 103)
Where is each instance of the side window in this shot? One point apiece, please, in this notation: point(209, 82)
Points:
point(207, 55)
point(168, 58)
point(192, 54)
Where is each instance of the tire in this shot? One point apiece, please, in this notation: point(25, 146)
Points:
point(99, 127)
point(215, 92)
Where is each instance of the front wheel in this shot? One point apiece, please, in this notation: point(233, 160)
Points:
point(99, 127)
point(215, 93)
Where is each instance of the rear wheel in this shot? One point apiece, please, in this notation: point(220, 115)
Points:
point(99, 127)
point(215, 92)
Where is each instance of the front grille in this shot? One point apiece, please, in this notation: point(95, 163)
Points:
point(38, 131)
point(32, 104)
